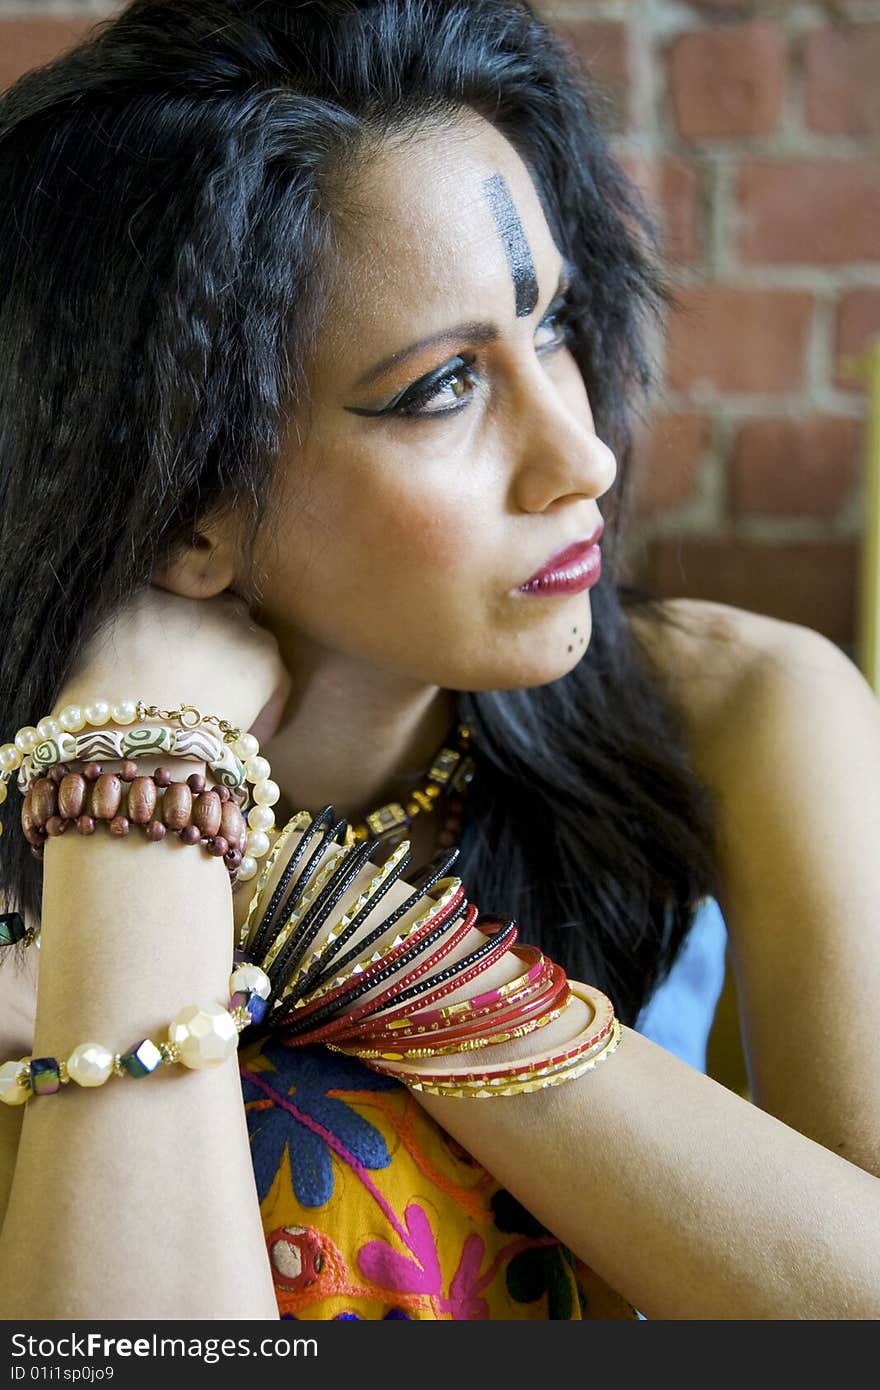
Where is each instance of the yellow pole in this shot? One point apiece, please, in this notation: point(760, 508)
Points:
point(867, 367)
point(869, 633)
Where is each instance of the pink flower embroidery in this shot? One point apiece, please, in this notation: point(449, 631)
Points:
point(421, 1273)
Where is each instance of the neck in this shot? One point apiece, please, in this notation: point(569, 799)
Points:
point(350, 735)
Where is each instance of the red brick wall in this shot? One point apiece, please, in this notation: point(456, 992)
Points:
point(753, 130)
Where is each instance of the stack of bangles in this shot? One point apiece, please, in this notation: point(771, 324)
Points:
point(302, 971)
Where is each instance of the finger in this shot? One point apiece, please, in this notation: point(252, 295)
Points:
point(269, 719)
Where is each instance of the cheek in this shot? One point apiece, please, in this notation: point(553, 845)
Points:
point(425, 528)
point(434, 535)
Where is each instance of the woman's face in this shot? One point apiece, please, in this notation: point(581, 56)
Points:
point(404, 534)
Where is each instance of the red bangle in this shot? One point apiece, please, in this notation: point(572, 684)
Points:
point(340, 1026)
point(448, 1012)
point(488, 1028)
point(594, 1038)
point(446, 982)
point(495, 1028)
point(518, 992)
point(329, 1001)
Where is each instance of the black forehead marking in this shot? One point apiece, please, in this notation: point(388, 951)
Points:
point(519, 256)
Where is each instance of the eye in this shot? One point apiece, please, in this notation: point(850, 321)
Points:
point(561, 315)
point(434, 387)
point(453, 380)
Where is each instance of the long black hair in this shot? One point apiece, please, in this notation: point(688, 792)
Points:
point(168, 189)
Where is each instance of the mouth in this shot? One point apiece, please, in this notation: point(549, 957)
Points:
point(577, 566)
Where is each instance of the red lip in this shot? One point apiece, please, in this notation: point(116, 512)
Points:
point(564, 559)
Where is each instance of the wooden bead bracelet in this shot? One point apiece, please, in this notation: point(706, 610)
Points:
point(197, 813)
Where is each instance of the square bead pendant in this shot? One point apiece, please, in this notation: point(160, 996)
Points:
point(444, 765)
point(390, 817)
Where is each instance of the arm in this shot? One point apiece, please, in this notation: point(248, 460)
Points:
point(684, 1197)
point(796, 766)
point(136, 1198)
point(18, 988)
point(161, 1166)
point(689, 1200)
point(693, 1202)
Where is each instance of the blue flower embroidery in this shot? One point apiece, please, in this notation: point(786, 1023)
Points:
point(316, 1124)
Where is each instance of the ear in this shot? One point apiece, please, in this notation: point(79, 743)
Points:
point(204, 568)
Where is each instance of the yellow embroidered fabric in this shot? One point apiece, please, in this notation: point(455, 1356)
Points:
point(372, 1211)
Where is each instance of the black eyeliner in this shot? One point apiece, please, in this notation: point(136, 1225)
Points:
point(416, 388)
point(412, 394)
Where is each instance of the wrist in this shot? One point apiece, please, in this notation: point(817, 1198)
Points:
point(113, 907)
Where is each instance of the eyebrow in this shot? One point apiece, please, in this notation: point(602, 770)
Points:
point(475, 331)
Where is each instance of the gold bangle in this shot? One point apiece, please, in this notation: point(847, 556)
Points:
point(518, 1087)
point(593, 1033)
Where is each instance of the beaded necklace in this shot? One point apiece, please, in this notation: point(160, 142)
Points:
point(445, 788)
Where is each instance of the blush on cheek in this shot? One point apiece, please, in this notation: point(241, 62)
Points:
point(437, 538)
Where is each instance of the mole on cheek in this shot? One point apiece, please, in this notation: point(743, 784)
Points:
point(516, 247)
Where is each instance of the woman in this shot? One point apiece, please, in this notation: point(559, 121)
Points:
point(338, 309)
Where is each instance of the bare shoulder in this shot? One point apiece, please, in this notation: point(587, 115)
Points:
point(702, 651)
point(713, 659)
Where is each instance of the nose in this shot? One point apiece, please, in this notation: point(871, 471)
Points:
point(558, 453)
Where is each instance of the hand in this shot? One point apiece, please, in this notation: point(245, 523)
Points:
point(172, 651)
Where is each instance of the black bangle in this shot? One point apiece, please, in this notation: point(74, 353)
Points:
point(297, 945)
point(286, 900)
point(438, 868)
point(325, 1012)
point(327, 963)
point(509, 931)
point(260, 940)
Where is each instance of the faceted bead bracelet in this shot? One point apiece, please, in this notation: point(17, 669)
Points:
point(201, 1036)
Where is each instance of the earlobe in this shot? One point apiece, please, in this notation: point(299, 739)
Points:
point(200, 570)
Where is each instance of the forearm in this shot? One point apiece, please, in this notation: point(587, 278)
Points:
point(689, 1200)
point(136, 1198)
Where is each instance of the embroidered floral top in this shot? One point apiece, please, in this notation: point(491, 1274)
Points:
point(371, 1210)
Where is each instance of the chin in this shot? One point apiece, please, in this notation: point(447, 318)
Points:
point(525, 674)
point(549, 658)
point(551, 673)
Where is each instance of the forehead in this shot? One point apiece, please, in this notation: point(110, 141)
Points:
point(444, 221)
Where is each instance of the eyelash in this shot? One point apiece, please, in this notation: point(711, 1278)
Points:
point(411, 406)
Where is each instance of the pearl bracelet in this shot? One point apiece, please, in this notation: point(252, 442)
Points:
point(201, 1036)
point(100, 712)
